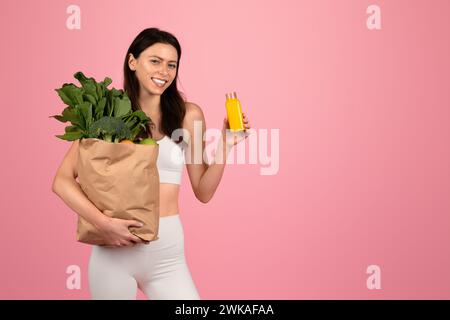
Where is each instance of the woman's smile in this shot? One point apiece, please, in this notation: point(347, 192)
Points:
point(159, 82)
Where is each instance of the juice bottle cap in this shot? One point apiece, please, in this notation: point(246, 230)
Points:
point(231, 95)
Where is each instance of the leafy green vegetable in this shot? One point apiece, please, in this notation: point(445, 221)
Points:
point(110, 129)
point(93, 101)
point(136, 122)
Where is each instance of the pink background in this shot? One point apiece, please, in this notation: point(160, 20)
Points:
point(364, 143)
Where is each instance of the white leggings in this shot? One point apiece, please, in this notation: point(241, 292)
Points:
point(158, 269)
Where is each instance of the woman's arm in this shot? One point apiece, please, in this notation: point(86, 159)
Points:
point(69, 190)
point(114, 231)
point(206, 178)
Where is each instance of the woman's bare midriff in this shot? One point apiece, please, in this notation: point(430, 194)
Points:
point(168, 199)
point(168, 192)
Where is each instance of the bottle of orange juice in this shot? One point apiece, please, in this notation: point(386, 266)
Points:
point(234, 112)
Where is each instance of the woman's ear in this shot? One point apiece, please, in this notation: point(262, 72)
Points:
point(131, 62)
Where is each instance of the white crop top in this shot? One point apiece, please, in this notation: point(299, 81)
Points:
point(170, 160)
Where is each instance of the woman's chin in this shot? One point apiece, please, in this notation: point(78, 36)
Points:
point(153, 91)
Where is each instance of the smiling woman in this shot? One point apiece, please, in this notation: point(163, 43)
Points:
point(159, 268)
point(150, 78)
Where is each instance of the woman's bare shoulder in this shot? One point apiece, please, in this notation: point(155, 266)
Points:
point(192, 108)
point(68, 166)
point(193, 112)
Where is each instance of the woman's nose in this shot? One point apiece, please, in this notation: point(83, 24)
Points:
point(163, 71)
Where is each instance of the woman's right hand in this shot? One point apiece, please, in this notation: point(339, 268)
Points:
point(115, 232)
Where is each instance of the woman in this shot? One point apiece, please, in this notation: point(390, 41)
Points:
point(125, 263)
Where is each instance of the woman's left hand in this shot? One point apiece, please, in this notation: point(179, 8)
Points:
point(233, 138)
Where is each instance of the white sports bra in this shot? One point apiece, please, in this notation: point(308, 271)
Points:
point(170, 160)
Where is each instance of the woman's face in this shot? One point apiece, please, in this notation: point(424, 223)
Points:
point(157, 62)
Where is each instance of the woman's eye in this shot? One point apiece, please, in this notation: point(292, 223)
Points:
point(173, 66)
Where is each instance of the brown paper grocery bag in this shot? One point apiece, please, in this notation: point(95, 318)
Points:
point(122, 181)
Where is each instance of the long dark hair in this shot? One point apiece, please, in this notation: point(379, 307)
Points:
point(173, 108)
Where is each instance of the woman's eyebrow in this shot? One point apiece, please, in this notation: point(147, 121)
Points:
point(161, 58)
